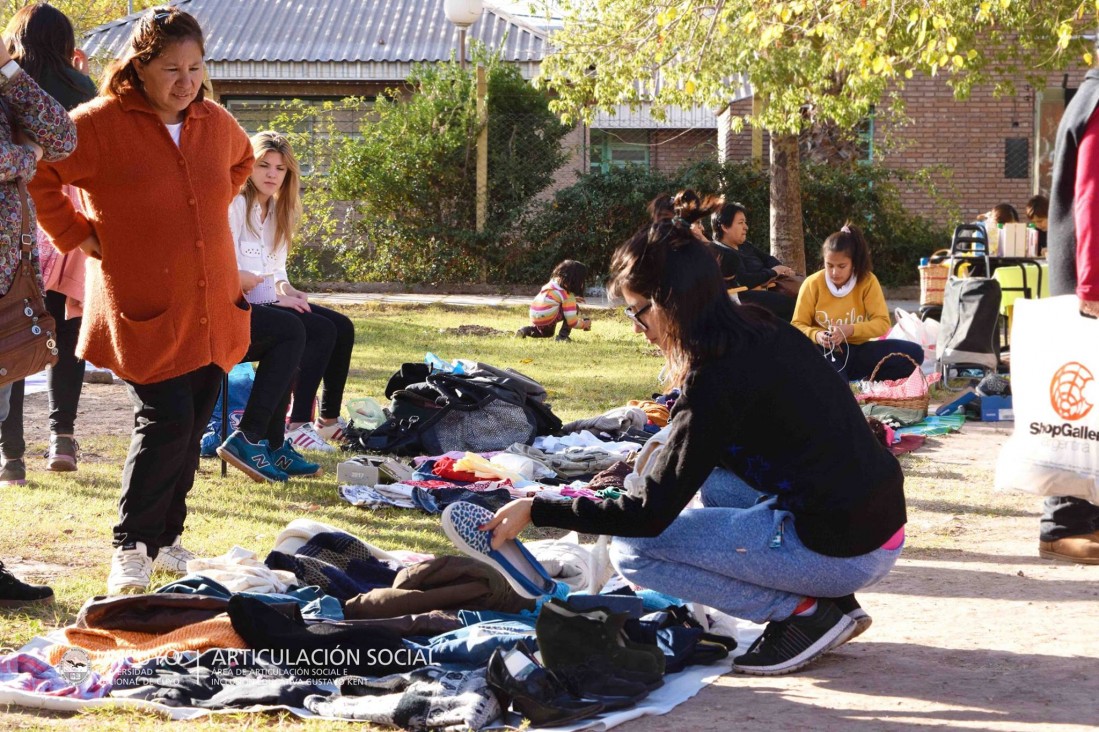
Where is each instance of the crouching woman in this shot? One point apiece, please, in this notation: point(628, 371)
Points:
point(802, 506)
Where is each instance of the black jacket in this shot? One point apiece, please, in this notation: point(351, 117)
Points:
point(746, 266)
point(778, 416)
point(1062, 192)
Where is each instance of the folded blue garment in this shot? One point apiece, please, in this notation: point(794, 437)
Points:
point(314, 604)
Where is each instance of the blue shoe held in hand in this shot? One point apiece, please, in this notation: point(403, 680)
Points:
point(461, 523)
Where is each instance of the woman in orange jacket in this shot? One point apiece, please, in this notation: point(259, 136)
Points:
point(157, 166)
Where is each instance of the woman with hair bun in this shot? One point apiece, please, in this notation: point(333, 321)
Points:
point(802, 506)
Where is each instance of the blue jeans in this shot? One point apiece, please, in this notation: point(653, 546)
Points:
point(742, 557)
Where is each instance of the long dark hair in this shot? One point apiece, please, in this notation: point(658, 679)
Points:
point(849, 240)
point(676, 271)
point(41, 39)
point(571, 275)
point(158, 28)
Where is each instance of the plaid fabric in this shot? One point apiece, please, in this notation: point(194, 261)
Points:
point(27, 672)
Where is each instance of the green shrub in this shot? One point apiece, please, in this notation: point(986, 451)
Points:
point(412, 175)
point(590, 218)
point(584, 221)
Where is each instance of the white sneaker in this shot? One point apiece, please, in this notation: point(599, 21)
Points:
point(306, 438)
point(173, 558)
point(331, 432)
point(130, 570)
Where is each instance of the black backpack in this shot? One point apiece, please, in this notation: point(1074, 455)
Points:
point(433, 413)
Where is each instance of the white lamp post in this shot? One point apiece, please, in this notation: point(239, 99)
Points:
point(463, 14)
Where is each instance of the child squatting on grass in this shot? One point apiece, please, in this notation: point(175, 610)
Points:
point(802, 506)
point(557, 301)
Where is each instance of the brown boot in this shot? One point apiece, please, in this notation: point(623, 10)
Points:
point(1082, 549)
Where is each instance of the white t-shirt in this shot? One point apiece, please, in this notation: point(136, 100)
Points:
point(174, 131)
point(256, 252)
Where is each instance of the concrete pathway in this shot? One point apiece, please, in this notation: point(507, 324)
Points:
point(594, 303)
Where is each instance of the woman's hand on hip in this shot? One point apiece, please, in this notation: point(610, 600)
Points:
point(90, 246)
point(509, 521)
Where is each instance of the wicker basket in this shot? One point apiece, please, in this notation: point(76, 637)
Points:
point(933, 281)
point(919, 403)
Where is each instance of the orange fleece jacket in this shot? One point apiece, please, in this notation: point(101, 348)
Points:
point(165, 299)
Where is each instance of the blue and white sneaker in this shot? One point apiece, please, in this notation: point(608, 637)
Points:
point(252, 459)
point(522, 571)
point(291, 462)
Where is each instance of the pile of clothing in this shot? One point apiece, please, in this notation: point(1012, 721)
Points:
point(329, 625)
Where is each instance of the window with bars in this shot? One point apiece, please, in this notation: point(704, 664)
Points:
point(256, 114)
point(1016, 157)
point(618, 148)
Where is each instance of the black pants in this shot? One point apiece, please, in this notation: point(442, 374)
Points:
point(278, 340)
point(64, 379)
point(329, 338)
point(546, 331)
point(169, 419)
point(1065, 516)
point(781, 306)
point(857, 362)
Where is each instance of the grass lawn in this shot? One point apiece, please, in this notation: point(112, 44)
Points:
point(66, 521)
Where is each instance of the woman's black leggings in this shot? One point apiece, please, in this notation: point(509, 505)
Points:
point(278, 340)
point(329, 338)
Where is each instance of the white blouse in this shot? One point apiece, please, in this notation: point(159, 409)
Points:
point(256, 252)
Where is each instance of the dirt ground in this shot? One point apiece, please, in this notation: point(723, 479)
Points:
point(978, 633)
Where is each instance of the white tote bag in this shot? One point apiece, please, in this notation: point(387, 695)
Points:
point(1054, 450)
point(910, 328)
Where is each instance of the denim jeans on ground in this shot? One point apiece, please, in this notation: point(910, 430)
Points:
point(472, 646)
point(742, 557)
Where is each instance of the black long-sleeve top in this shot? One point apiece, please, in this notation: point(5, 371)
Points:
point(780, 418)
point(746, 266)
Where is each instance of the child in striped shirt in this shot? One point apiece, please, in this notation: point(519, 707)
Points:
point(557, 301)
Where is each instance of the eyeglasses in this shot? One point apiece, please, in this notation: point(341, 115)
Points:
point(635, 315)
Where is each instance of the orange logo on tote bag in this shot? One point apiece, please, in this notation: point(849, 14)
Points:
point(1066, 391)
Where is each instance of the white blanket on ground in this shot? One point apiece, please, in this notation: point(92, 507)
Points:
point(677, 689)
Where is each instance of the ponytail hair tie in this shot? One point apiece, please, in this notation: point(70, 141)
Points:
point(845, 229)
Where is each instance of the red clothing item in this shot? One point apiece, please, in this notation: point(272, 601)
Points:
point(165, 299)
point(1086, 213)
point(444, 468)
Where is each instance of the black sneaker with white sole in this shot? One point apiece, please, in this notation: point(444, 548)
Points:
point(788, 645)
point(852, 609)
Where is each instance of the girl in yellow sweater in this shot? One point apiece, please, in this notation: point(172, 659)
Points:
point(842, 309)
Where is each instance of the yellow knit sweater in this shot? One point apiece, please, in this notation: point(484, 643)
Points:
point(864, 307)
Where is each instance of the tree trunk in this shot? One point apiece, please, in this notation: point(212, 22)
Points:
point(787, 232)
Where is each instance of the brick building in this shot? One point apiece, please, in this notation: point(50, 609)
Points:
point(978, 152)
